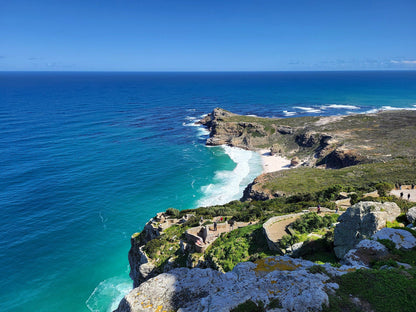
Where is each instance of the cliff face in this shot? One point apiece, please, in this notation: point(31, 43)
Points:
point(333, 142)
point(140, 267)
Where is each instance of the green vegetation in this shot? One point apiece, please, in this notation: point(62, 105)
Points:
point(317, 269)
point(378, 290)
point(173, 212)
point(249, 306)
point(362, 178)
point(256, 210)
point(383, 188)
point(166, 247)
point(312, 221)
point(319, 250)
point(243, 244)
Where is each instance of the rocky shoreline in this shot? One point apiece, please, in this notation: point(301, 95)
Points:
point(179, 281)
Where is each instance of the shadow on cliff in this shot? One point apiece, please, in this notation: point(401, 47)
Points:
point(162, 293)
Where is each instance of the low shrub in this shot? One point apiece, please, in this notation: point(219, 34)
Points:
point(173, 212)
point(383, 290)
point(249, 306)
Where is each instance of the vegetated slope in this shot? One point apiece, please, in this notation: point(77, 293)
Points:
point(308, 180)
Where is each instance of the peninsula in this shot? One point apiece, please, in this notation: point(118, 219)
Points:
point(334, 233)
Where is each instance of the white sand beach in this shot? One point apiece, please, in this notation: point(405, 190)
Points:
point(273, 163)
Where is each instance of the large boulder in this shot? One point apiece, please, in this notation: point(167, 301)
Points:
point(279, 279)
point(365, 252)
point(411, 215)
point(361, 221)
point(402, 238)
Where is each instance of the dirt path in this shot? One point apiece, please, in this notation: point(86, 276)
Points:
point(278, 229)
point(405, 194)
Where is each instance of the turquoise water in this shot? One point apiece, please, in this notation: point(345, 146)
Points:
point(87, 158)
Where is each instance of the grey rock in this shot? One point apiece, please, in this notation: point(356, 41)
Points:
point(411, 215)
point(361, 221)
point(307, 139)
point(285, 130)
point(402, 238)
point(365, 252)
point(189, 290)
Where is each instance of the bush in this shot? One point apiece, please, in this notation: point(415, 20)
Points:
point(173, 212)
point(383, 188)
point(312, 221)
point(249, 306)
point(288, 240)
point(152, 247)
point(317, 269)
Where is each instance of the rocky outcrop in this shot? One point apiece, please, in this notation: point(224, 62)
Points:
point(307, 139)
point(254, 190)
point(364, 253)
point(275, 149)
point(284, 130)
point(340, 158)
point(402, 238)
point(294, 161)
point(140, 267)
point(286, 282)
point(361, 221)
point(411, 215)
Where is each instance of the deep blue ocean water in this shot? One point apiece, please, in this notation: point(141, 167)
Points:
point(87, 158)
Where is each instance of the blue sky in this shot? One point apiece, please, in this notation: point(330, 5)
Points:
point(177, 35)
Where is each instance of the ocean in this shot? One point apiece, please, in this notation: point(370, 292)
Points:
point(87, 158)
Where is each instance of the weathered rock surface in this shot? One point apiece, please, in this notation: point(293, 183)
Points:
point(411, 215)
point(276, 278)
point(295, 161)
point(361, 221)
point(340, 158)
point(255, 190)
point(365, 252)
point(402, 238)
point(308, 139)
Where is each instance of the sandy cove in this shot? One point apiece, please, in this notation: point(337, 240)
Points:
point(273, 163)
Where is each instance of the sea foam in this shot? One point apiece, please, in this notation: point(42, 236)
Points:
point(229, 185)
point(340, 106)
point(308, 109)
point(108, 294)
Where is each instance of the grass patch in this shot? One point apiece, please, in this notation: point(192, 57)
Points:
point(365, 177)
point(383, 290)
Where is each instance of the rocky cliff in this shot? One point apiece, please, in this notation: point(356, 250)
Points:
point(333, 142)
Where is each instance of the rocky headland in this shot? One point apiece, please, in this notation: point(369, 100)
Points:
point(287, 246)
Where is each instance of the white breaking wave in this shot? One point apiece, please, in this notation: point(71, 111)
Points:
point(340, 106)
point(287, 113)
point(192, 121)
point(387, 108)
point(308, 109)
point(108, 294)
point(229, 185)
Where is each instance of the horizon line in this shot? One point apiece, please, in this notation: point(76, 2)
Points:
point(203, 71)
